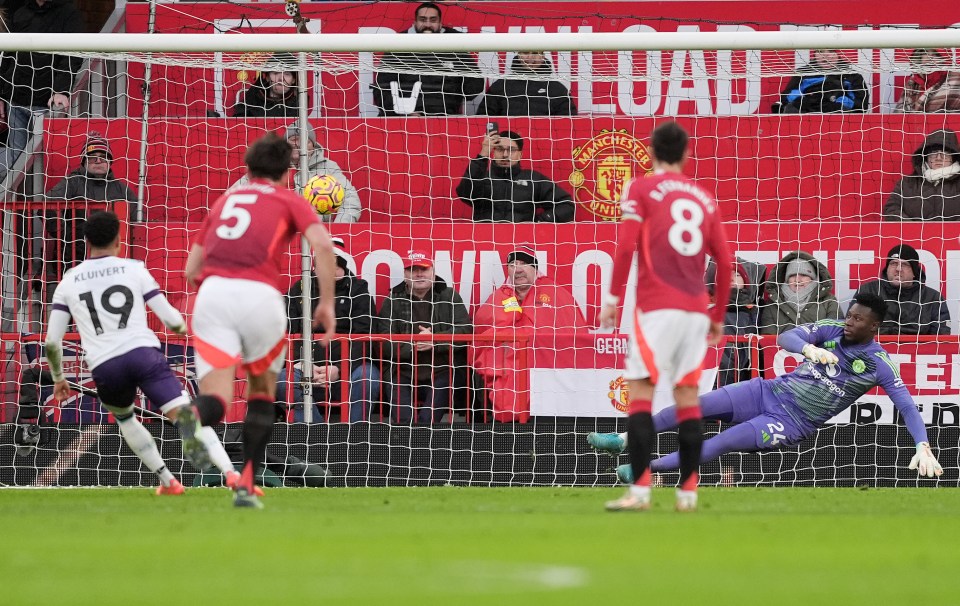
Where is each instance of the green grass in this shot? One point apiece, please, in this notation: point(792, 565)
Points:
point(457, 546)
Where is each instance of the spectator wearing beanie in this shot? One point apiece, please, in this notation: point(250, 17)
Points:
point(912, 307)
point(354, 310)
point(92, 180)
point(800, 292)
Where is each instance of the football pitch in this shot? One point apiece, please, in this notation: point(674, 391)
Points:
point(502, 546)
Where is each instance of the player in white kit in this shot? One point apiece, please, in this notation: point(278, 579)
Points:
point(106, 296)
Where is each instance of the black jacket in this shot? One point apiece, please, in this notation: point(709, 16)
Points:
point(440, 95)
point(80, 186)
point(809, 92)
point(448, 316)
point(513, 194)
point(515, 97)
point(30, 79)
point(353, 309)
point(256, 103)
point(914, 310)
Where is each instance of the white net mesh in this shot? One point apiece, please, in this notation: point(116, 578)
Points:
point(788, 172)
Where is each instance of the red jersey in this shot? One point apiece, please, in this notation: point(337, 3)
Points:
point(674, 224)
point(249, 229)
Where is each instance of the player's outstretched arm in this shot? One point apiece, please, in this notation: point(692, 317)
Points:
point(801, 340)
point(194, 265)
point(56, 328)
point(889, 379)
point(167, 313)
point(325, 263)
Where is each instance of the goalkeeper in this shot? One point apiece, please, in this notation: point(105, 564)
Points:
point(843, 362)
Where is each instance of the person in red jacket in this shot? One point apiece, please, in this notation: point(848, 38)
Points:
point(527, 302)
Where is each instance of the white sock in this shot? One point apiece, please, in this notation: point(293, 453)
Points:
point(141, 443)
point(215, 448)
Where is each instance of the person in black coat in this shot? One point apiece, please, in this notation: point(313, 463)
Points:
point(531, 93)
point(827, 84)
point(36, 82)
point(408, 84)
point(355, 312)
point(274, 94)
point(502, 190)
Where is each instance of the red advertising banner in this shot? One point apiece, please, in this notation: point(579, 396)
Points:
point(693, 82)
point(470, 257)
point(760, 168)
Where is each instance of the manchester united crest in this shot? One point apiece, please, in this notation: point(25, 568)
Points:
point(601, 168)
point(618, 394)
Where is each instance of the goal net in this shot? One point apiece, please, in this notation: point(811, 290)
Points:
point(812, 156)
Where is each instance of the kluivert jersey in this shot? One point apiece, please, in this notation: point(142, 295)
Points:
point(106, 297)
point(819, 391)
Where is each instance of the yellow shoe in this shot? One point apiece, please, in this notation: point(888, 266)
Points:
point(174, 488)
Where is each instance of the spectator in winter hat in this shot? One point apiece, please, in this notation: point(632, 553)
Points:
point(932, 191)
point(912, 307)
point(92, 180)
point(800, 292)
point(355, 312)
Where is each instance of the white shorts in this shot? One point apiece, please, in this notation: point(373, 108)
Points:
point(238, 321)
point(667, 346)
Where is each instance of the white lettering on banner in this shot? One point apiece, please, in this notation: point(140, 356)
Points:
point(927, 367)
point(941, 272)
point(611, 345)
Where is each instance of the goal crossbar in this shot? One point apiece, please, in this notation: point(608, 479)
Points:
point(484, 42)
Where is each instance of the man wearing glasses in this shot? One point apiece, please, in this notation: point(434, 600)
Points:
point(500, 189)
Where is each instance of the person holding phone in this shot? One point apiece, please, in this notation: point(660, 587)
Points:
point(498, 188)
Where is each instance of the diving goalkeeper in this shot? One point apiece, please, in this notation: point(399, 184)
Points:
point(843, 362)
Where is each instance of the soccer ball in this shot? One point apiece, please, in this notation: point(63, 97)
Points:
point(324, 193)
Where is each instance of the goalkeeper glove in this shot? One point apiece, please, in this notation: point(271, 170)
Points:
point(818, 354)
point(924, 462)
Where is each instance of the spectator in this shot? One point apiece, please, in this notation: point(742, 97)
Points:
point(930, 88)
point(527, 302)
point(355, 312)
point(275, 92)
point(422, 372)
point(318, 163)
point(92, 180)
point(932, 192)
point(504, 191)
point(741, 317)
point(530, 93)
point(415, 89)
point(36, 82)
point(801, 292)
point(827, 84)
point(912, 307)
